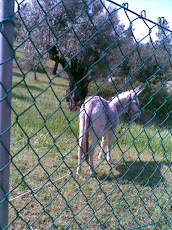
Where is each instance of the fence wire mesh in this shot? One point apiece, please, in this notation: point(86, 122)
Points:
point(63, 52)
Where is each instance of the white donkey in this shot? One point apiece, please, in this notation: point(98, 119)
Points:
point(101, 117)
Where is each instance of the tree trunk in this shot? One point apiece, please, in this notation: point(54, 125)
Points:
point(35, 76)
point(55, 67)
point(78, 89)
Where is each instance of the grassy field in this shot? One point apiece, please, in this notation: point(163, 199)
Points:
point(135, 191)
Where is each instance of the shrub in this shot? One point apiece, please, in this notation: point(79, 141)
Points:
point(157, 102)
point(105, 90)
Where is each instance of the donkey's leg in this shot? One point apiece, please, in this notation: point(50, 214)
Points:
point(103, 143)
point(79, 160)
point(93, 145)
point(109, 145)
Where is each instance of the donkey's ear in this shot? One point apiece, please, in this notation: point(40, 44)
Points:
point(140, 90)
point(136, 91)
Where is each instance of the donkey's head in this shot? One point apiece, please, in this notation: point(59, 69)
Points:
point(133, 109)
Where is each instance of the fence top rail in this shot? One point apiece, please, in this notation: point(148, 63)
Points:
point(142, 15)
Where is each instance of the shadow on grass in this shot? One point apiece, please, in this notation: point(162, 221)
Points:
point(22, 97)
point(18, 74)
point(30, 87)
point(56, 84)
point(138, 172)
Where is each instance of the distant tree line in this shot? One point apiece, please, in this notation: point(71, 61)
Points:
point(90, 43)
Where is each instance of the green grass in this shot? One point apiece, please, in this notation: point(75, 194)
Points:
point(135, 191)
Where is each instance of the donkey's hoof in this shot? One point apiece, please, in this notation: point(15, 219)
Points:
point(110, 162)
point(78, 171)
point(100, 156)
point(92, 173)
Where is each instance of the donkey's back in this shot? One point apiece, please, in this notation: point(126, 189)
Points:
point(98, 117)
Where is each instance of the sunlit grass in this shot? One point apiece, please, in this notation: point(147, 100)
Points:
point(134, 191)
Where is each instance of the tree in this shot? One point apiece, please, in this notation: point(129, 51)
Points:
point(74, 33)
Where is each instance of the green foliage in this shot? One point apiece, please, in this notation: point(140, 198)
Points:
point(71, 18)
point(105, 90)
point(89, 40)
point(157, 103)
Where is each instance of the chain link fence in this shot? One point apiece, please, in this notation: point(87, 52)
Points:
point(63, 52)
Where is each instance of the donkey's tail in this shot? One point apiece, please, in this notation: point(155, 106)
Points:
point(86, 138)
point(84, 133)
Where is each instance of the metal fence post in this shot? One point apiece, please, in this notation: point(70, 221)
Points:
point(6, 54)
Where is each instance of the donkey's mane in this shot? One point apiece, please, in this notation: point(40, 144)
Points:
point(120, 96)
